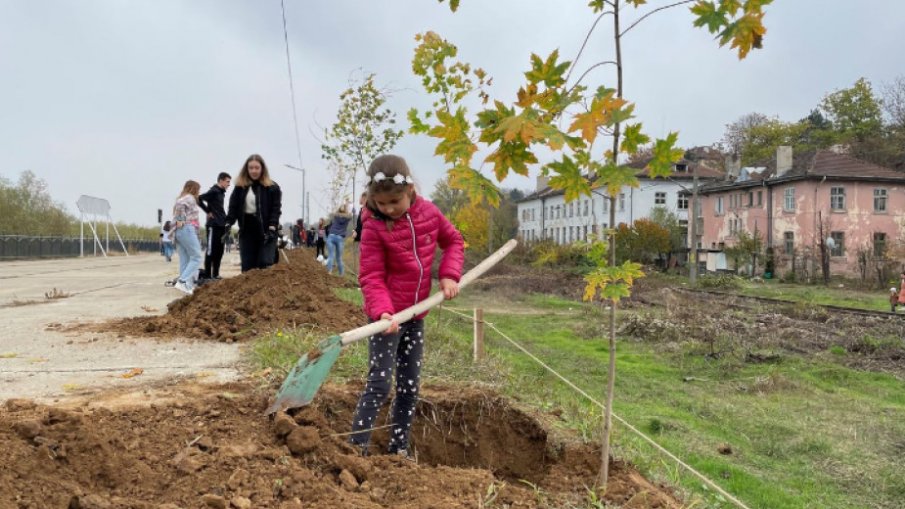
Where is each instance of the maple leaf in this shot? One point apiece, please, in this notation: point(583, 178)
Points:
point(633, 138)
point(603, 109)
point(665, 154)
point(453, 131)
point(453, 4)
point(519, 126)
point(613, 283)
point(513, 156)
point(746, 33)
point(555, 138)
point(476, 186)
point(708, 14)
point(547, 71)
point(614, 177)
point(569, 178)
point(636, 3)
point(597, 5)
point(416, 126)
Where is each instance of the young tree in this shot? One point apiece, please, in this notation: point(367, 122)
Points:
point(854, 112)
point(363, 130)
point(447, 198)
point(567, 116)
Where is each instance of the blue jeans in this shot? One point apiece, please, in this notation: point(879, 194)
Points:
point(335, 253)
point(168, 250)
point(189, 248)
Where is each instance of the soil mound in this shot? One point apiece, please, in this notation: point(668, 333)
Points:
point(289, 294)
point(213, 448)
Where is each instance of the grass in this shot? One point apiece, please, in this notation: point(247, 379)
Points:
point(845, 297)
point(804, 432)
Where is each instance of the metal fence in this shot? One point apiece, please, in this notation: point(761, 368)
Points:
point(24, 247)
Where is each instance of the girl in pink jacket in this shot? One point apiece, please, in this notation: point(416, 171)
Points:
point(400, 234)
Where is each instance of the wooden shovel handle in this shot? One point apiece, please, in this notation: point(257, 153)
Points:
point(407, 314)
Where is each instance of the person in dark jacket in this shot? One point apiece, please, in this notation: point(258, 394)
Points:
point(212, 203)
point(356, 234)
point(256, 204)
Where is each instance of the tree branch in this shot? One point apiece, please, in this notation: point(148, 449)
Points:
point(589, 69)
point(639, 20)
point(585, 43)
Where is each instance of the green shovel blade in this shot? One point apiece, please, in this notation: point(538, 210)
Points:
point(307, 376)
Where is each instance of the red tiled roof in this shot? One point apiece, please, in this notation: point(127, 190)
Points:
point(831, 164)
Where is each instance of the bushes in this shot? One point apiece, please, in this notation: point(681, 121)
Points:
point(721, 282)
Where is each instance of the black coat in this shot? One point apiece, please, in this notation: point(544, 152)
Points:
point(269, 201)
point(212, 203)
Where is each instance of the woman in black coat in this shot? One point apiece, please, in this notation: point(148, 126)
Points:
point(256, 204)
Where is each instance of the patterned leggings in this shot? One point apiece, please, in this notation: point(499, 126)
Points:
point(403, 351)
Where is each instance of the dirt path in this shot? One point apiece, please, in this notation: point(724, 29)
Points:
point(39, 361)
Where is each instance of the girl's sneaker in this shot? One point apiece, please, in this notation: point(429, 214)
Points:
point(182, 287)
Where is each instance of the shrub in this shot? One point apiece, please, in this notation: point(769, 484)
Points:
point(721, 281)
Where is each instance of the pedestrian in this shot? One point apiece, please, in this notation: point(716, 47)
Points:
point(166, 240)
point(336, 238)
point(321, 240)
point(185, 215)
point(256, 204)
point(893, 299)
point(212, 203)
point(356, 234)
point(400, 234)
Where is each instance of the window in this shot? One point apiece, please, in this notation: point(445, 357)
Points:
point(731, 201)
point(718, 208)
point(880, 244)
point(760, 198)
point(838, 248)
point(788, 203)
point(586, 207)
point(682, 202)
point(572, 209)
point(681, 167)
point(621, 202)
point(879, 200)
point(750, 198)
point(837, 199)
point(660, 198)
point(559, 211)
point(789, 242)
point(585, 232)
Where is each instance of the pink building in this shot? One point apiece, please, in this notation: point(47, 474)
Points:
point(855, 206)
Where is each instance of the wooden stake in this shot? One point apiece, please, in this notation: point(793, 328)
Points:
point(478, 334)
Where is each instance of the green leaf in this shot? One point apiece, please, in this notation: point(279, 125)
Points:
point(455, 146)
point(708, 14)
point(513, 156)
point(416, 126)
point(547, 71)
point(613, 283)
point(614, 177)
point(602, 112)
point(453, 4)
point(476, 186)
point(569, 178)
point(665, 154)
point(633, 138)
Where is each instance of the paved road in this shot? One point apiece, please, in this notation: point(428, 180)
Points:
point(44, 364)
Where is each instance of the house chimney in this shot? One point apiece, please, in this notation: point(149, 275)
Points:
point(733, 167)
point(541, 183)
point(783, 160)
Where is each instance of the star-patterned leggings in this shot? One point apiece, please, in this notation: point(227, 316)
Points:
point(403, 352)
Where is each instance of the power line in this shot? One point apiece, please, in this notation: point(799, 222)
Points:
point(295, 118)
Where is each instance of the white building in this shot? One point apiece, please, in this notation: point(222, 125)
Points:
point(545, 214)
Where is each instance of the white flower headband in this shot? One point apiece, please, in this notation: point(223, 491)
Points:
point(397, 178)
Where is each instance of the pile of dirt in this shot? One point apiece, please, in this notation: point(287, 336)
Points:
point(289, 294)
point(213, 448)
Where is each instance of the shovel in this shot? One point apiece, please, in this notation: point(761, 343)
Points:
point(312, 369)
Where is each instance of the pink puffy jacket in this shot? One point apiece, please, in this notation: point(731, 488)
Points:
point(395, 270)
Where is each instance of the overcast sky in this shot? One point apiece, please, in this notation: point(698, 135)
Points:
point(127, 99)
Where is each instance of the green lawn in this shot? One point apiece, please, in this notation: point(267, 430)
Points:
point(803, 433)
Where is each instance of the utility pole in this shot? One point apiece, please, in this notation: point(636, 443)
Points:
point(693, 230)
point(304, 193)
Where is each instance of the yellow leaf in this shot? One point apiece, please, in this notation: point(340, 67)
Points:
point(8, 355)
point(132, 373)
point(71, 387)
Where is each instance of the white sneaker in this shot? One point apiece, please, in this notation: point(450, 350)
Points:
point(182, 287)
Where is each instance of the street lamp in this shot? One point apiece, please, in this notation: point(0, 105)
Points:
point(304, 194)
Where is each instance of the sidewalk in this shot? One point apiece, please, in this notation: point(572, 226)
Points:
point(38, 362)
